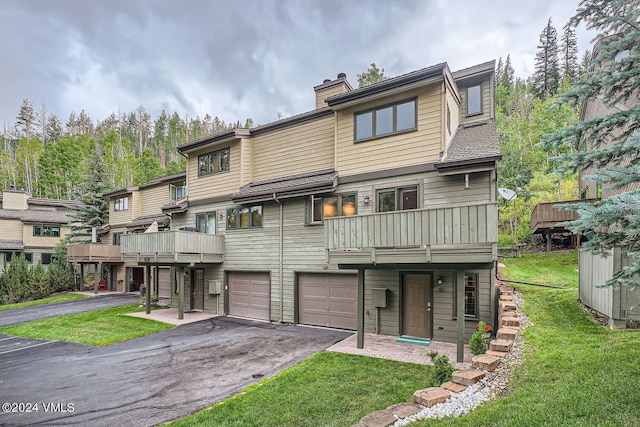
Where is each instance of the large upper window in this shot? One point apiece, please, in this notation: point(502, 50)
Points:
point(397, 199)
point(387, 120)
point(328, 207)
point(121, 204)
point(210, 163)
point(474, 100)
point(46, 231)
point(206, 222)
point(470, 295)
point(244, 217)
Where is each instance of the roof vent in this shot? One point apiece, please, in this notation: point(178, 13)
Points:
point(342, 75)
point(326, 80)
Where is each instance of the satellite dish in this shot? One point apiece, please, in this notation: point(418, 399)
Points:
point(507, 194)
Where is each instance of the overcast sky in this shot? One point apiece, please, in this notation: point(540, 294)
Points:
point(244, 58)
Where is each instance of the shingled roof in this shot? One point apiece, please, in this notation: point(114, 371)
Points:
point(11, 245)
point(37, 216)
point(473, 143)
point(143, 222)
point(288, 186)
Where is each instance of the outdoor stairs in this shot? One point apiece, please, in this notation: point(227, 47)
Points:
point(481, 366)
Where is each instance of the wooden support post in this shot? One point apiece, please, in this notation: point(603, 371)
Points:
point(97, 276)
point(460, 314)
point(547, 236)
point(360, 333)
point(180, 273)
point(147, 288)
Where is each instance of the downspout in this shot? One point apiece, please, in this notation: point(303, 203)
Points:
point(280, 256)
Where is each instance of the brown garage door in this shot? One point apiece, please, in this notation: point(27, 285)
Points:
point(328, 300)
point(249, 295)
point(164, 282)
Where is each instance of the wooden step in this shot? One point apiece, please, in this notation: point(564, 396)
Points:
point(500, 345)
point(467, 376)
point(507, 333)
point(431, 396)
point(453, 387)
point(509, 321)
point(485, 362)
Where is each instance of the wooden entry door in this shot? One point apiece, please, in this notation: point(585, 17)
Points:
point(416, 305)
point(197, 290)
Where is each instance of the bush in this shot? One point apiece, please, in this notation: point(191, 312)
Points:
point(443, 369)
point(478, 343)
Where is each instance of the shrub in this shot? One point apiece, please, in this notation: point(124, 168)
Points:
point(478, 343)
point(443, 369)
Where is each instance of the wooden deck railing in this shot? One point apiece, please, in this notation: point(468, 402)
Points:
point(171, 242)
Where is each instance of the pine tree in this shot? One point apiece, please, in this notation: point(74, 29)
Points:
point(94, 210)
point(26, 120)
point(546, 77)
point(499, 71)
point(585, 63)
point(569, 44)
point(612, 140)
point(507, 74)
point(371, 76)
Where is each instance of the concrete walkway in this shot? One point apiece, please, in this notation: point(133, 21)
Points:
point(170, 315)
point(386, 347)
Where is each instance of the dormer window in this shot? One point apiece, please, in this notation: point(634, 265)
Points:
point(386, 120)
point(474, 100)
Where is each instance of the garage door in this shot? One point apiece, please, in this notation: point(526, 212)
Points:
point(328, 300)
point(249, 295)
point(164, 282)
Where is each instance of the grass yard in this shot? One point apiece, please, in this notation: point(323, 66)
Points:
point(328, 389)
point(50, 300)
point(98, 327)
point(549, 268)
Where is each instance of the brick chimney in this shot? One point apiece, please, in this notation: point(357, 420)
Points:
point(331, 87)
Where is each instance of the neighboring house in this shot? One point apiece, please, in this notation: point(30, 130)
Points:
point(622, 304)
point(132, 210)
point(32, 226)
point(375, 212)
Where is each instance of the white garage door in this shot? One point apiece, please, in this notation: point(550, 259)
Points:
point(249, 295)
point(164, 282)
point(328, 300)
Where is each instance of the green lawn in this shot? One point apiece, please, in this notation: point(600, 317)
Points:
point(552, 268)
point(328, 389)
point(98, 327)
point(50, 300)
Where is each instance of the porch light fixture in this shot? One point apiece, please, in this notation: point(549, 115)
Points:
point(440, 285)
point(366, 200)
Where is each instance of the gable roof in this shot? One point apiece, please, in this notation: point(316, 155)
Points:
point(472, 143)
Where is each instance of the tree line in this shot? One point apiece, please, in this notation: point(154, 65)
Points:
point(49, 159)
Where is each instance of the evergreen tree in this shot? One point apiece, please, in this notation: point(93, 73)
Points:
point(585, 63)
point(26, 120)
point(613, 140)
point(546, 77)
point(507, 74)
point(499, 71)
point(569, 44)
point(371, 76)
point(60, 273)
point(94, 210)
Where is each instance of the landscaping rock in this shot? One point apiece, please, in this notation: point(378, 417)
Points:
point(382, 418)
point(467, 376)
point(431, 396)
point(453, 387)
point(485, 362)
point(404, 410)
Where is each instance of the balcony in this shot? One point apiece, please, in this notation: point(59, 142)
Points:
point(93, 252)
point(172, 247)
point(457, 234)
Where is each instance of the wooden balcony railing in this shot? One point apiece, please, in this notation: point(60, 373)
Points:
point(173, 246)
point(93, 252)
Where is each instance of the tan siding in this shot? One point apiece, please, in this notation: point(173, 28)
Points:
point(487, 99)
point(152, 199)
point(302, 148)
point(120, 217)
point(454, 108)
point(218, 184)
point(11, 229)
point(321, 95)
point(49, 242)
point(404, 149)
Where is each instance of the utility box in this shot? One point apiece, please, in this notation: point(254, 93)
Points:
point(379, 297)
point(215, 287)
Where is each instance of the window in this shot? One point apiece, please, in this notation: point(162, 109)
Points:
point(206, 222)
point(387, 120)
point(599, 190)
point(46, 231)
point(121, 204)
point(474, 100)
point(328, 207)
point(448, 118)
point(27, 255)
point(116, 238)
point(397, 199)
point(46, 258)
point(470, 296)
point(178, 191)
point(244, 217)
point(215, 162)
point(585, 194)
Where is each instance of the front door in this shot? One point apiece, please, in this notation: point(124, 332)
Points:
point(197, 290)
point(416, 305)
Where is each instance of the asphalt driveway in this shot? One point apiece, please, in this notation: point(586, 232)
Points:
point(27, 314)
point(150, 380)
